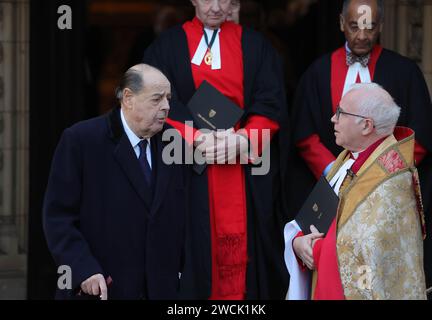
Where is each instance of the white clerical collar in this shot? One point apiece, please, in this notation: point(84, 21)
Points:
point(355, 154)
point(201, 51)
point(339, 177)
point(354, 71)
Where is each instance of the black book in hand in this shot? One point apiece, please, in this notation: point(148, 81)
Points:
point(211, 110)
point(319, 208)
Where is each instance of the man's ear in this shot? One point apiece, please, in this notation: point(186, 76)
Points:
point(368, 126)
point(341, 22)
point(127, 97)
point(193, 2)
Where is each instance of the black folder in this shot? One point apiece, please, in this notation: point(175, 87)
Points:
point(211, 110)
point(319, 209)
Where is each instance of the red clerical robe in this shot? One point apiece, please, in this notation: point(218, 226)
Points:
point(229, 203)
point(228, 218)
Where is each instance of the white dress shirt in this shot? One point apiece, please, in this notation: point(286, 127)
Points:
point(135, 140)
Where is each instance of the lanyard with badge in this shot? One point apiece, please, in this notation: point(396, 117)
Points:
point(209, 56)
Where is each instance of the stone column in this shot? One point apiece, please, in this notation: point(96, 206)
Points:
point(388, 35)
point(427, 43)
point(14, 118)
point(402, 27)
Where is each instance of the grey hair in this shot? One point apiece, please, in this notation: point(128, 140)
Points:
point(377, 104)
point(380, 4)
point(133, 80)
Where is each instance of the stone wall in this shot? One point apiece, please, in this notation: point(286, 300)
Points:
point(408, 30)
point(14, 146)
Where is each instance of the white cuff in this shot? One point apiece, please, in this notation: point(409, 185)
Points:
point(299, 283)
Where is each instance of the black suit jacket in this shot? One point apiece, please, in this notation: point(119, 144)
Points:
point(100, 217)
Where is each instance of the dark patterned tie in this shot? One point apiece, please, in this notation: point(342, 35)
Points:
point(352, 58)
point(143, 161)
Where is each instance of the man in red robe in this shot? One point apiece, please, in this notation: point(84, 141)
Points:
point(234, 243)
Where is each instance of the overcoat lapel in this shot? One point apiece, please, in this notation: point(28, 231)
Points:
point(126, 158)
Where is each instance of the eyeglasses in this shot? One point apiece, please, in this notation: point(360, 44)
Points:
point(339, 111)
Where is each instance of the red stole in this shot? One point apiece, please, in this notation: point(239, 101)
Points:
point(226, 183)
point(329, 284)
